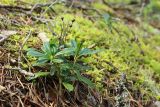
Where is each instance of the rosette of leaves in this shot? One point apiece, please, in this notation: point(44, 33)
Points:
point(64, 62)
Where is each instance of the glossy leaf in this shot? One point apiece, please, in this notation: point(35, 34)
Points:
point(87, 51)
point(53, 49)
point(34, 53)
point(78, 48)
point(84, 79)
point(45, 57)
point(41, 61)
point(57, 60)
point(46, 47)
point(65, 51)
point(74, 43)
point(68, 86)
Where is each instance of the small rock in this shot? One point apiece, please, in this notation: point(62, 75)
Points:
point(156, 104)
point(2, 88)
point(43, 37)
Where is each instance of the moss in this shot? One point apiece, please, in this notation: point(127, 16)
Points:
point(102, 7)
point(36, 1)
point(132, 49)
point(155, 65)
point(98, 76)
point(8, 2)
point(118, 1)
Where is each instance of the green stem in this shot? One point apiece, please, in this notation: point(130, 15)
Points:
point(60, 81)
point(75, 59)
point(60, 87)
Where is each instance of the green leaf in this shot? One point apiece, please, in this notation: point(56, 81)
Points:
point(41, 61)
point(68, 86)
point(84, 79)
point(108, 20)
point(34, 53)
point(87, 81)
point(45, 57)
point(57, 60)
point(64, 66)
point(80, 67)
point(71, 78)
point(38, 75)
point(65, 51)
point(87, 51)
point(76, 66)
point(46, 47)
point(53, 49)
point(74, 43)
point(107, 17)
point(79, 47)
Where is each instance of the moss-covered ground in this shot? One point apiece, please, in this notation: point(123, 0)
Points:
point(128, 34)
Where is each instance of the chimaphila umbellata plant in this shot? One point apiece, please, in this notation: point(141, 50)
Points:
point(64, 60)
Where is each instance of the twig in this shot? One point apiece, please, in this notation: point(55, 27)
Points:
point(41, 5)
point(141, 9)
point(20, 55)
point(28, 63)
point(21, 101)
point(106, 3)
point(36, 6)
point(21, 47)
point(24, 72)
point(24, 9)
point(131, 99)
point(86, 8)
point(12, 8)
point(20, 82)
point(6, 34)
point(55, 2)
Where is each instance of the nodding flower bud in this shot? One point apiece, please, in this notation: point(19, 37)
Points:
point(62, 18)
point(54, 34)
point(73, 20)
point(70, 25)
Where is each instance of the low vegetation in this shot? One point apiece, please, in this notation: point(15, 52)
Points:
point(81, 53)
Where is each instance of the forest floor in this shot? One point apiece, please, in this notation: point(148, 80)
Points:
point(126, 73)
